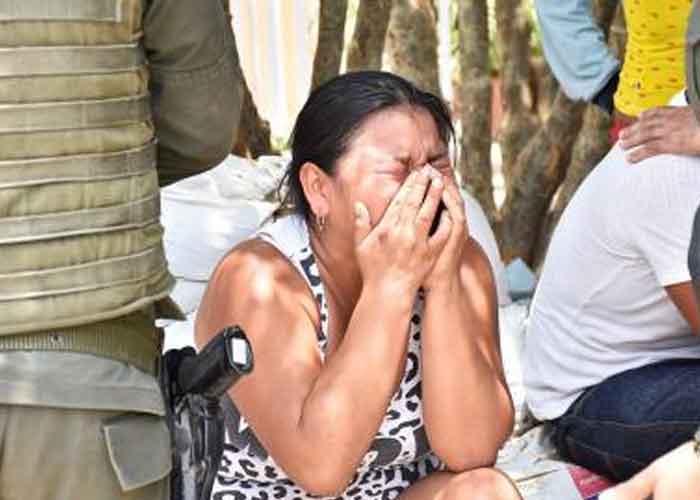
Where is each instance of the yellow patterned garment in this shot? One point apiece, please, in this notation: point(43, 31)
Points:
point(654, 65)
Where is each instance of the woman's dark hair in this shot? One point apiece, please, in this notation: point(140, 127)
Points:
point(336, 109)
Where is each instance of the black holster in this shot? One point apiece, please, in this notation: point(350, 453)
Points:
point(192, 386)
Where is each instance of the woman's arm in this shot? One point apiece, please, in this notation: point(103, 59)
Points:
point(316, 420)
point(467, 406)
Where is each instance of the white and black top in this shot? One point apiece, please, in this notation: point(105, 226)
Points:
point(398, 456)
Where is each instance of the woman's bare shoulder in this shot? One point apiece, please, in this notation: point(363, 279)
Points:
point(257, 263)
point(255, 278)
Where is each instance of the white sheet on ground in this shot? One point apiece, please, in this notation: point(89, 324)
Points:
point(532, 462)
point(480, 230)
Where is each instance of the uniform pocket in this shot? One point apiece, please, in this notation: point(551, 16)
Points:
point(139, 449)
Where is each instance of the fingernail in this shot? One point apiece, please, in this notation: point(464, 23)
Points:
point(437, 181)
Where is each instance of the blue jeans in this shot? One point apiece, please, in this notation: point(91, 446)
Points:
point(619, 426)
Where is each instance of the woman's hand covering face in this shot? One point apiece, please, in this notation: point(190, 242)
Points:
point(398, 250)
point(447, 265)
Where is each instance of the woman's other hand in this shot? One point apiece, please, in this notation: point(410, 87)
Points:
point(674, 476)
point(398, 250)
point(445, 272)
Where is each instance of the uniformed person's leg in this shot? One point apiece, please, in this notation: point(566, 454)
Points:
point(57, 454)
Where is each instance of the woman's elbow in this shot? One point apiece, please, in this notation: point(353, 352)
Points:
point(466, 461)
point(323, 480)
point(472, 456)
point(481, 451)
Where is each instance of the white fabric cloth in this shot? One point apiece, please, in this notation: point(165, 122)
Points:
point(512, 323)
point(600, 307)
point(480, 230)
point(206, 215)
point(532, 462)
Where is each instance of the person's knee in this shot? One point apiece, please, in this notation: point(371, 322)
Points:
point(480, 484)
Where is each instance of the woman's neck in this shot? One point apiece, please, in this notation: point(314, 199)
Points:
point(337, 264)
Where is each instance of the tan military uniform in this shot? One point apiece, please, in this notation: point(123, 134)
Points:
point(97, 97)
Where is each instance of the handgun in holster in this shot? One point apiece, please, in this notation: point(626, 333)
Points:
point(192, 384)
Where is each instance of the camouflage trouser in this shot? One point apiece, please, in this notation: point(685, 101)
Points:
point(67, 454)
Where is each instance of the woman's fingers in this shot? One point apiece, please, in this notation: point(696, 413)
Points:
point(428, 208)
point(438, 240)
point(455, 206)
point(363, 224)
point(415, 195)
point(395, 211)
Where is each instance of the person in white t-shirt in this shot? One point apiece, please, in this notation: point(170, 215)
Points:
point(612, 352)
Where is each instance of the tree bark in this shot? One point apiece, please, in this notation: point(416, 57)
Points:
point(546, 86)
point(331, 36)
point(253, 137)
point(475, 151)
point(519, 122)
point(369, 36)
point(412, 43)
point(606, 12)
point(536, 176)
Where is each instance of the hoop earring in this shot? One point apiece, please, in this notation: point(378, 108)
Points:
point(321, 222)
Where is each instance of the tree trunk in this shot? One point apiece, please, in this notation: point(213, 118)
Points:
point(253, 137)
point(368, 38)
point(608, 11)
point(475, 150)
point(519, 122)
point(412, 43)
point(618, 33)
point(536, 176)
point(546, 87)
point(331, 36)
